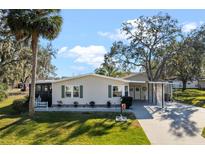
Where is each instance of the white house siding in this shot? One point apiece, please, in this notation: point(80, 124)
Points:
point(94, 89)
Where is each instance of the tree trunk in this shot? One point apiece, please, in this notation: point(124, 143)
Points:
point(184, 85)
point(34, 44)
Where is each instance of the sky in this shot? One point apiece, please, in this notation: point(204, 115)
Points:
point(87, 35)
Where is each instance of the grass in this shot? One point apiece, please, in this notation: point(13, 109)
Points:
point(194, 97)
point(203, 132)
point(5, 105)
point(68, 128)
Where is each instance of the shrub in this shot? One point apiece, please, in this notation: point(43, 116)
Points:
point(75, 104)
point(3, 88)
point(20, 105)
point(2, 95)
point(126, 100)
point(108, 104)
point(60, 103)
point(92, 103)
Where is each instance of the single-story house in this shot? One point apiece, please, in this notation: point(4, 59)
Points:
point(201, 83)
point(101, 89)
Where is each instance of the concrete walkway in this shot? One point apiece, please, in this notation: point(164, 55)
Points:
point(79, 109)
point(176, 124)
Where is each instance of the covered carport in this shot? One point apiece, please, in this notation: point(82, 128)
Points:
point(155, 93)
point(159, 93)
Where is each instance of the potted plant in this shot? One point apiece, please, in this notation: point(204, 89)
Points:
point(92, 103)
point(75, 104)
point(59, 103)
point(108, 104)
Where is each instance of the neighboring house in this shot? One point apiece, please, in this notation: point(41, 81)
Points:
point(190, 84)
point(100, 89)
point(201, 83)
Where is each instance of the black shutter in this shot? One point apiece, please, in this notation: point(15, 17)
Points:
point(62, 91)
point(81, 91)
point(109, 91)
point(126, 90)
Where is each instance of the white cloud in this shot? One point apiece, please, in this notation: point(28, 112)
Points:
point(201, 22)
point(116, 35)
point(189, 27)
point(92, 55)
point(62, 50)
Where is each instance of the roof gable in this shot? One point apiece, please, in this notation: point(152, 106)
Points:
point(141, 76)
point(96, 75)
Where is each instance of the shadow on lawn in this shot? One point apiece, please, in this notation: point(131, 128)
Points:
point(96, 129)
point(181, 124)
point(6, 110)
point(61, 127)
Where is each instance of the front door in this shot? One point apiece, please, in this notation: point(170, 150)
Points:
point(143, 93)
point(137, 93)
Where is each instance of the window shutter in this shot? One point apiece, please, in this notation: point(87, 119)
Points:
point(81, 91)
point(62, 91)
point(126, 90)
point(109, 91)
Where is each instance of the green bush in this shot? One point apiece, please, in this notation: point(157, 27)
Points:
point(20, 105)
point(3, 88)
point(126, 100)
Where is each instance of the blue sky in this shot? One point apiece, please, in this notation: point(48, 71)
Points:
point(88, 34)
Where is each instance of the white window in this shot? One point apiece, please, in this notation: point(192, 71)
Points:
point(117, 91)
point(137, 89)
point(68, 91)
point(76, 91)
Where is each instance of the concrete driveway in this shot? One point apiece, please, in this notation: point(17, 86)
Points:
point(176, 124)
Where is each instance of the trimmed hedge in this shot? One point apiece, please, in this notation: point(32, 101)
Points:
point(126, 100)
point(20, 105)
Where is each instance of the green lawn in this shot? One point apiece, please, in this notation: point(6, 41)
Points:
point(68, 128)
point(191, 96)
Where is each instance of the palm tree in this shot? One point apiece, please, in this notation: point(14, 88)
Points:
point(109, 68)
point(34, 24)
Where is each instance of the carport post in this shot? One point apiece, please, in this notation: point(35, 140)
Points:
point(171, 91)
point(156, 99)
point(152, 91)
point(148, 91)
point(162, 95)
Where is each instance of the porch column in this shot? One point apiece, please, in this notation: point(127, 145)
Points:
point(128, 89)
